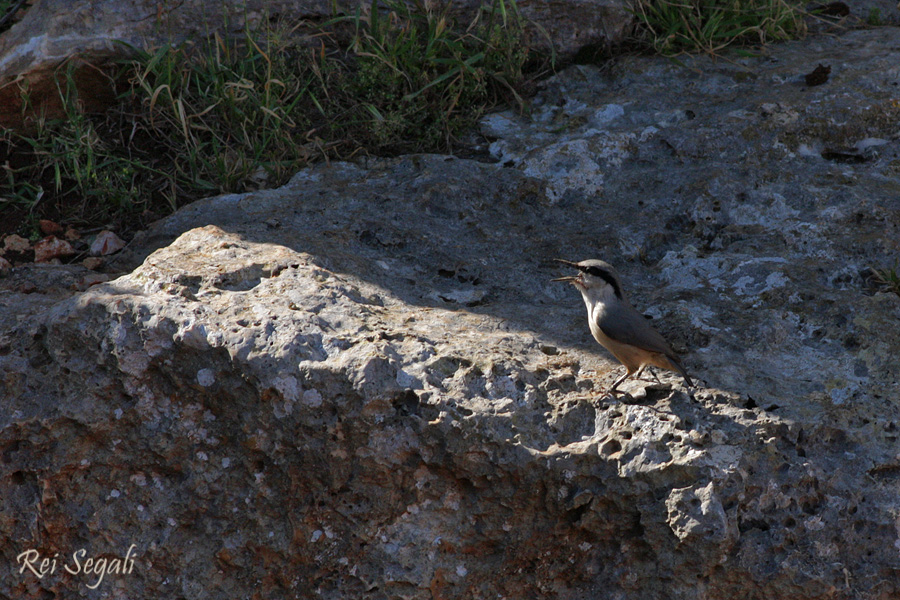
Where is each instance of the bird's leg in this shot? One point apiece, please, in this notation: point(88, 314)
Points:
point(652, 372)
point(612, 390)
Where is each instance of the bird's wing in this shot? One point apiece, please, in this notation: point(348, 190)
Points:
point(627, 326)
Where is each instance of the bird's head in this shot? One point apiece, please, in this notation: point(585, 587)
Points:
point(595, 277)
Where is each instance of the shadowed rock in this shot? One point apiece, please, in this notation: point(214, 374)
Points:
point(363, 384)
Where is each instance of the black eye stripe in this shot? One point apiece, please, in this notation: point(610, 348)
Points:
point(606, 276)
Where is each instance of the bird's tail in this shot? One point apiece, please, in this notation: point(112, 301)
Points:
point(680, 370)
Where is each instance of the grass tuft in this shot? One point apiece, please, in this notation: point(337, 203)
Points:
point(672, 27)
point(417, 79)
point(887, 279)
point(237, 115)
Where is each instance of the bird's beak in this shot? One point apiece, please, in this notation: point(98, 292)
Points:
point(568, 262)
point(569, 278)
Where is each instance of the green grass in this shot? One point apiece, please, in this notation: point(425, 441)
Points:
point(874, 18)
point(672, 27)
point(887, 279)
point(72, 157)
point(8, 10)
point(237, 115)
point(415, 78)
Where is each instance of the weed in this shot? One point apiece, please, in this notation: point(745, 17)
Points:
point(229, 115)
point(8, 12)
point(236, 115)
point(417, 80)
point(887, 279)
point(874, 19)
point(671, 27)
point(71, 158)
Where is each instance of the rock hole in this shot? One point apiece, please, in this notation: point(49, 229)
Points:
point(244, 279)
point(406, 403)
point(610, 448)
point(574, 515)
point(843, 157)
point(810, 507)
point(748, 524)
point(9, 450)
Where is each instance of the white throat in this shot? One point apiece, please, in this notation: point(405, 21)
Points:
point(597, 295)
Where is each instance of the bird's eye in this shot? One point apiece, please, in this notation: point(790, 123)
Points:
point(594, 271)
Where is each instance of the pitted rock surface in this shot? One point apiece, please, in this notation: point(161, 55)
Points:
point(363, 384)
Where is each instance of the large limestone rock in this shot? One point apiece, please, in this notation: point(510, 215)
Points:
point(364, 385)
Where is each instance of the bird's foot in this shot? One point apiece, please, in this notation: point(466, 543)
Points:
point(649, 369)
point(655, 382)
point(576, 399)
point(614, 396)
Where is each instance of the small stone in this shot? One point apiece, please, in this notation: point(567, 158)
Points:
point(148, 216)
point(93, 263)
point(49, 227)
point(106, 243)
point(72, 234)
point(16, 243)
point(51, 247)
point(89, 280)
point(834, 9)
point(4, 264)
point(818, 76)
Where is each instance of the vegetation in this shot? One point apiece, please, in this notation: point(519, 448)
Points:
point(887, 279)
point(8, 10)
point(874, 19)
point(672, 27)
point(236, 115)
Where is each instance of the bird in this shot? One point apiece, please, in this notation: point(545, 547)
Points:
point(616, 325)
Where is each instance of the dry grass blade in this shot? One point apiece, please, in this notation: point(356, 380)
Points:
point(233, 115)
point(712, 25)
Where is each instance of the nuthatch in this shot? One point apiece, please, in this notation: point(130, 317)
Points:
point(617, 325)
